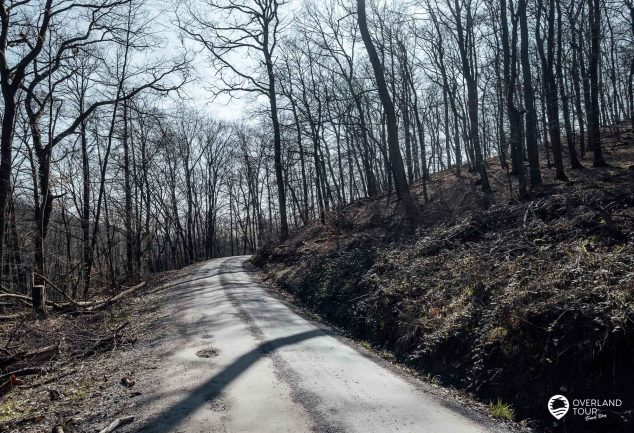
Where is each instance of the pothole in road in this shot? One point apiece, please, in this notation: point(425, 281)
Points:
point(219, 404)
point(207, 353)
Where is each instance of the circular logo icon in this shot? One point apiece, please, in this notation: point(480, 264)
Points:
point(558, 406)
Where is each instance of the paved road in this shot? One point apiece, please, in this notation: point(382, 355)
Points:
point(267, 369)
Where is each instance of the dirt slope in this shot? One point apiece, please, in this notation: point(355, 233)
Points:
point(508, 300)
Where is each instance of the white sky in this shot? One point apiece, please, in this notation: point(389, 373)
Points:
point(199, 92)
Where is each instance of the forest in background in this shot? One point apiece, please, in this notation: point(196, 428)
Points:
point(108, 173)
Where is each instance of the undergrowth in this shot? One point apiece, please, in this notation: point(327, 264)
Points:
point(511, 301)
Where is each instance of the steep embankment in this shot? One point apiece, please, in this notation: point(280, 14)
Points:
point(508, 300)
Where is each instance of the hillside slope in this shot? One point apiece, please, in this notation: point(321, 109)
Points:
point(509, 300)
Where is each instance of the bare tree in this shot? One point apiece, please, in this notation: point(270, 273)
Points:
point(40, 100)
point(509, 50)
point(27, 38)
point(240, 30)
point(461, 15)
point(594, 131)
point(396, 160)
point(529, 97)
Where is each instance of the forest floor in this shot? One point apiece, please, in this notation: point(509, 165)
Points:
point(212, 349)
point(89, 378)
point(511, 301)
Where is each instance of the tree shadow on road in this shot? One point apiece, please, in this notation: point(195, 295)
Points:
point(170, 418)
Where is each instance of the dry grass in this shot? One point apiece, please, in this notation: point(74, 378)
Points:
point(80, 388)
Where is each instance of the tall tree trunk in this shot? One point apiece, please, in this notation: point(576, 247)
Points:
point(396, 160)
point(302, 160)
point(405, 113)
point(529, 99)
point(577, 58)
point(570, 141)
point(42, 208)
point(129, 240)
point(277, 139)
point(85, 202)
point(468, 69)
point(509, 49)
point(631, 77)
point(550, 85)
point(11, 79)
point(8, 118)
point(594, 132)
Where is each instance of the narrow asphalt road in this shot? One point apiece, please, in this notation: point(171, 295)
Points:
point(245, 362)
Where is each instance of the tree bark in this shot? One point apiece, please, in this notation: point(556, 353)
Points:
point(529, 99)
point(550, 85)
point(594, 132)
point(467, 60)
point(398, 171)
point(277, 141)
point(509, 50)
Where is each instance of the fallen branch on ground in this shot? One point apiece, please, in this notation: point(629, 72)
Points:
point(24, 372)
point(16, 296)
point(93, 306)
point(42, 354)
point(108, 302)
point(26, 299)
point(10, 316)
point(71, 306)
point(57, 289)
point(119, 422)
point(109, 342)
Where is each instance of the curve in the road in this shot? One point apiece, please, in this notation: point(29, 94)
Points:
point(278, 372)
